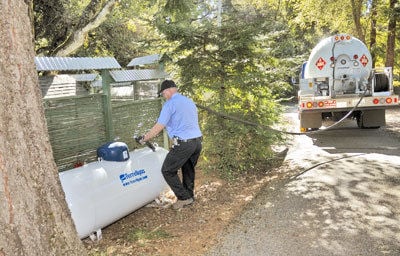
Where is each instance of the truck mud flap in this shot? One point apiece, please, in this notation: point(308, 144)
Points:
point(310, 121)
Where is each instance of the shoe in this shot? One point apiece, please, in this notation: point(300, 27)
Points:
point(182, 203)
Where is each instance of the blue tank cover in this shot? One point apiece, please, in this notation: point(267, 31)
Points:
point(113, 151)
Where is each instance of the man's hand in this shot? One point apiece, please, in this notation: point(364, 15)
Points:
point(140, 140)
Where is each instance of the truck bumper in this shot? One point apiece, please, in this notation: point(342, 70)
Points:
point(321, 104)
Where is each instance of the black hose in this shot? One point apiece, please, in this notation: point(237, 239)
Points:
point(280, 131)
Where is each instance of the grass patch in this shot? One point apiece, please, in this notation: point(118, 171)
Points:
point(142, 236)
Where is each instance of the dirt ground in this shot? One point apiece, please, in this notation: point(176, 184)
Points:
point(193, 230)
point(188, 231)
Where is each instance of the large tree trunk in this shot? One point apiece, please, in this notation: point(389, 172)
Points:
point(356, 6)
point(391, 38)
point(34, 217)
point(372, 43)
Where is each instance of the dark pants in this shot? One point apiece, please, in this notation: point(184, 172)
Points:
point(185, 156)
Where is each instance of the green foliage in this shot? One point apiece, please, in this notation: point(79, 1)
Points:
point(240, 67)
point(233, 69)
point(126, 34)
point(52, 20)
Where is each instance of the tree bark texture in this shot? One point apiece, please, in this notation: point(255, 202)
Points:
point(34, 217)
point(356, 6)
point(391, 38)
point(372, 43)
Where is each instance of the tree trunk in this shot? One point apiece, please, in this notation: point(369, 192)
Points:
point(34, 217)
point(372, 43)
point(391, 38)
point(356, 10)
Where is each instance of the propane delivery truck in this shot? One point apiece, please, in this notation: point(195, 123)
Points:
point(338, 82)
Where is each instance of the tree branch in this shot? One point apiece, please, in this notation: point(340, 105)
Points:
point(85, 25)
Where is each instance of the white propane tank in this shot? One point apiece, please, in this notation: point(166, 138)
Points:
point(351, 55)
point(102, 192)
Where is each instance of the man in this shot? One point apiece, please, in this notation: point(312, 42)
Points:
point(179, 116)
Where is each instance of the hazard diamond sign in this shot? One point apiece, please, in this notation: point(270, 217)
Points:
point(364, 60)
point(320, 63)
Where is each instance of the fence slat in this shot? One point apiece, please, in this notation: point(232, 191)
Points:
point(77, 126)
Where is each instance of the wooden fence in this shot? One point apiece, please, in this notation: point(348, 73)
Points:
point(78, 125)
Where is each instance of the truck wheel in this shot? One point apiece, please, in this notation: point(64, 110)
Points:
point(360, 122)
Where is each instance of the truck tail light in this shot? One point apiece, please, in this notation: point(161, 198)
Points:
point(309, 104)
point(320, 104)
point(388, 100)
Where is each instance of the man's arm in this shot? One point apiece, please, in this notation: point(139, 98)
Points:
point(157, 128)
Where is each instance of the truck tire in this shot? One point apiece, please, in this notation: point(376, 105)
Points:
point(371, 119)
point(359, 121)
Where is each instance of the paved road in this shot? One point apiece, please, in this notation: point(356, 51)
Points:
point(339, 195)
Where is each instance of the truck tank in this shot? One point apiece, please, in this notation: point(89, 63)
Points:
point(341, 61)
point(338, 81)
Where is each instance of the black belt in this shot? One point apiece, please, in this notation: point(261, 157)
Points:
point(188, 140)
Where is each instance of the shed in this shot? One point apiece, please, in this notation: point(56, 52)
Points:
point(75, 84)
point(75, 63)
point(138, 83)
point(143, 81)
point(53, 86)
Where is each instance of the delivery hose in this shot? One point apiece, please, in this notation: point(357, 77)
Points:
point(240, 120)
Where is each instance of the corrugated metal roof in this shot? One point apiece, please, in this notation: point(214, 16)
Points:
point(150, 59)
point(137, 75)
point(84, 77)
point(75, 63)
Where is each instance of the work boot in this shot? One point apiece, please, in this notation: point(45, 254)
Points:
point(182, 203)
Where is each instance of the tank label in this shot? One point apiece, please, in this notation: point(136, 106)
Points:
point(133, 177)
point(364, 60)
point(320, 63)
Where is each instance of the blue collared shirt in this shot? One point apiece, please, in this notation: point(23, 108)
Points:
point(179, 116)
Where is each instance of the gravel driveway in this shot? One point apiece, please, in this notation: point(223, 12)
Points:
point(338, 193)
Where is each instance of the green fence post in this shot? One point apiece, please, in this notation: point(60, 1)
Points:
point(106, 83)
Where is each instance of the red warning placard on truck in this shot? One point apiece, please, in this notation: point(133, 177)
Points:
point(320, 63)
